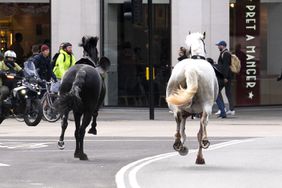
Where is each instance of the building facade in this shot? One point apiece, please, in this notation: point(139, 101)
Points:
point(250, 28)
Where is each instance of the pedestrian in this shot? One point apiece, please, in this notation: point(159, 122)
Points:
point(18, 49)
point(218, 69)
point(29, 65)
point(55, 57)
point(64, 61)
point(182, 54)
point(224, 60)
point(42, 64)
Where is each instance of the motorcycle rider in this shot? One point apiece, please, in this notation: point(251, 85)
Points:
point(8, 66)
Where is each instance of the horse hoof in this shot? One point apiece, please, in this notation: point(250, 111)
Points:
point(183, 151)
point(83, 157)
point(76, 155)
point(200, 161)
point(92, 131)
point(177, 145)
point(205, 144)
point(61, 145)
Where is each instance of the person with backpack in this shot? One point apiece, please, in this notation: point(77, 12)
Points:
point(29, 67)
point(55, 57)
point(224, 60)
point(64, 61)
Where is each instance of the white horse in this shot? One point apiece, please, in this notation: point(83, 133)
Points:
point(192, 88)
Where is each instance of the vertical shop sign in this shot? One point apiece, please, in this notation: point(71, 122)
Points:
point(248, 83)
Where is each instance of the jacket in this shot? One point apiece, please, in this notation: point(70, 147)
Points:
point(5, 68)
point(63, 63)
point(225, 60)
point(43, 67)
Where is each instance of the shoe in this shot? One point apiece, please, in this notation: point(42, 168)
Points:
point(231, 112)
point(221, 117)
point(218, 112)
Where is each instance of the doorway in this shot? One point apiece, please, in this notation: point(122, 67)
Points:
point(125, 42)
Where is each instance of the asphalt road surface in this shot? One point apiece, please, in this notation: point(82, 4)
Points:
point(36, 162)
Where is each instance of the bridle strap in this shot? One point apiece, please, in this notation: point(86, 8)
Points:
point(198, 57)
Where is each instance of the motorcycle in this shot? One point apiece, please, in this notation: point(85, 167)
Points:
point(23, 101)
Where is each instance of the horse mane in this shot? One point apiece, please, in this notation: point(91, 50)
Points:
point(88, 43)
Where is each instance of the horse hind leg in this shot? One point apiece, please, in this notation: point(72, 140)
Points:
point(77, 118)
point(202, 139)
point(93, 129)
point(180, 135)
point(64, 125)
point(80, 135)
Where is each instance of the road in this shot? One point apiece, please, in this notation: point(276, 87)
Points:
point(30, 158)
point(37, 162)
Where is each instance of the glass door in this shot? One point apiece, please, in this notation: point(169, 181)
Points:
point(125, 42)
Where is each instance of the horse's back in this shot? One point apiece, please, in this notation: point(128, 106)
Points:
point(91, 88)
point(207, 82)
point(92, 75)
point(204, 70)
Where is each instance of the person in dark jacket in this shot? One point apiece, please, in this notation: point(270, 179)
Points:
point(224, 60)
point(43, 65)
point(219, 72)
point(182, 54)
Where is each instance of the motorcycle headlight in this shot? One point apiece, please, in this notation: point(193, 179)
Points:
point(23, 91)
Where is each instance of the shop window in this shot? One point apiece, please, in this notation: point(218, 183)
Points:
point(29, 23)
point(255, 36)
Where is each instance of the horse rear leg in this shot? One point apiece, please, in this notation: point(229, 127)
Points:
point(93, 129)
point(180, 136)
point(77, 118)
point(80, 135)
point(64, 125)
point(202, 139)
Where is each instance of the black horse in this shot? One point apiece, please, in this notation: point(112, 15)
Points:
point(82, 91)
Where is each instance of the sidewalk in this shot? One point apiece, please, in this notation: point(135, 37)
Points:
point(134, 122)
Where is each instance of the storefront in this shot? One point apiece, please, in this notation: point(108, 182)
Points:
point(250, 27)
point(126, 43)
point(23, 24)
point(255, 37)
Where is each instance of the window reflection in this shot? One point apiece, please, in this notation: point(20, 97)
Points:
point(23, 25)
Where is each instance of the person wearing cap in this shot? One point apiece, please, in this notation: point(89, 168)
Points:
point(42, 64)
point(224, 60)
point(64, 61)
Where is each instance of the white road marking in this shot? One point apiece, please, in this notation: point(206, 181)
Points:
point(23, 146)
point(132, 169)
point(2, 164)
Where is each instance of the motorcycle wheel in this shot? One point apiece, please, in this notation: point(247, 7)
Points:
point(49, 112)
point(33, 116)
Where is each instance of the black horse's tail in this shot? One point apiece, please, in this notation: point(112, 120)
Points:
point(72, 100)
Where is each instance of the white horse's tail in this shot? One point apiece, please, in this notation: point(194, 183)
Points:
point(183, 96)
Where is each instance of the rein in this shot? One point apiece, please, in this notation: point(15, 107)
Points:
point(198, 57)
